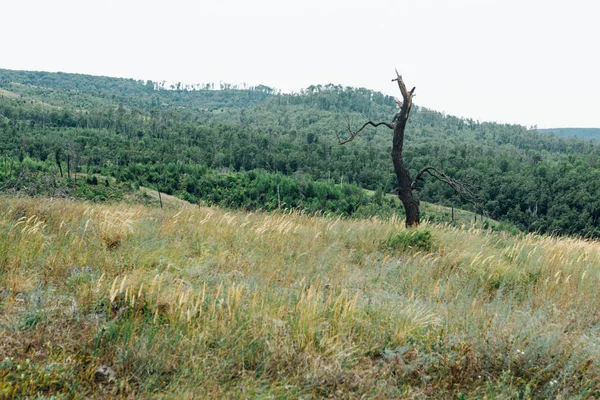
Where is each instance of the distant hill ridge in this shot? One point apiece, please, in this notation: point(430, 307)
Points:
point(581, 133)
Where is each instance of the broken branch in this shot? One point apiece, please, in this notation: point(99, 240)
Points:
point(459, 187)
point(354, 134)
point(406, 95)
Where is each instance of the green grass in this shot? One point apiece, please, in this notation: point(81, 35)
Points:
point(204, 303)
point(9, 95)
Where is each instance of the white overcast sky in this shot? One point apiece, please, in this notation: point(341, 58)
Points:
point(516, 61)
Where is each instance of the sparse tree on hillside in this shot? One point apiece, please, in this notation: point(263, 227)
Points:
point(406, 185)
point(58, 155)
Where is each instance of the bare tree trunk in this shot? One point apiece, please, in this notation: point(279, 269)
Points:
point(405, 194)
point(405, 186)
point(59, 167)
point(159, 196)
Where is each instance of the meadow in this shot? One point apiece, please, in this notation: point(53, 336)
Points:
point(200, 302)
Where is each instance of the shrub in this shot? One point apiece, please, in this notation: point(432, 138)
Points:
point(93, 180)
point(417, 240)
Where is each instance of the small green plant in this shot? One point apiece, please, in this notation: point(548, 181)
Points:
point(417, 240)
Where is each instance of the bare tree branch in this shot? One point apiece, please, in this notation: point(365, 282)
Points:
point(462, 189)
point(405, 106)
point(354, 134)
point(404, 110)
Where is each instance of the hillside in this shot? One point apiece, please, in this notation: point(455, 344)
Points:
point(133, 302)
point(234, 147)
point(581, 133)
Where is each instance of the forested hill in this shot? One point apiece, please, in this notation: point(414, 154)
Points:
point(186, 136)
point(581, 133)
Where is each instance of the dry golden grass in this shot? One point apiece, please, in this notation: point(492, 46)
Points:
point(199, 302)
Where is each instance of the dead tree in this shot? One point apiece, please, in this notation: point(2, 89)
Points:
point(57, 156)
point(406, 185)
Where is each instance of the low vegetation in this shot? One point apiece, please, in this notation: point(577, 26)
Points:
point(199, 302)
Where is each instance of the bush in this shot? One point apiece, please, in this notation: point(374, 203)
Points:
point(93, 180)
point(416, 240)
point(502, 227)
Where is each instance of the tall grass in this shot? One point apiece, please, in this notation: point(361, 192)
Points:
point(203, 303)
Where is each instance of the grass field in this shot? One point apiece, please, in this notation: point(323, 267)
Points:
point(203, 303)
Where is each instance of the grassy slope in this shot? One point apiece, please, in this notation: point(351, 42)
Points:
point(199, 302)
point(32, 99)
point(443, 214)
point(7, 94)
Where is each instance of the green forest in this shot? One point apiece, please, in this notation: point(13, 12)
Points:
point(259, 149)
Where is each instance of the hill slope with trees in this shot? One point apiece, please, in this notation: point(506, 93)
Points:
point(199, 142)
